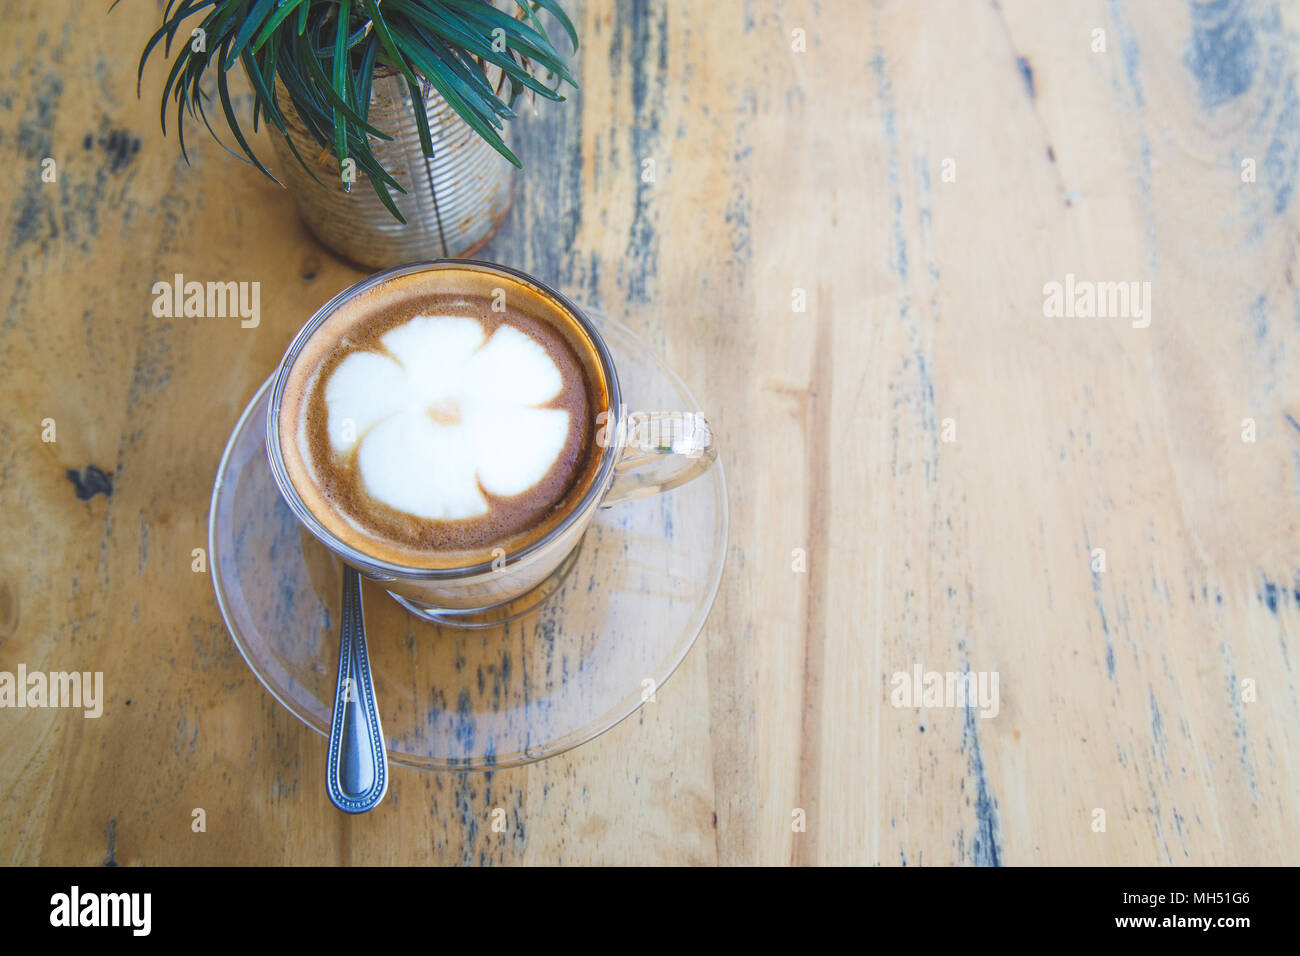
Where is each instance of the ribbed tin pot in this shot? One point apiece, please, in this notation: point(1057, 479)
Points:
point(453, 203)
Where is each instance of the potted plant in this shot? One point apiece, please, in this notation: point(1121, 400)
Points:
point(410, 95)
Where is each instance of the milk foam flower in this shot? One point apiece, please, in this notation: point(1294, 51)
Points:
point(447, 414)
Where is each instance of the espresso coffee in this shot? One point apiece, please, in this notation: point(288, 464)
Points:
point(443, 418)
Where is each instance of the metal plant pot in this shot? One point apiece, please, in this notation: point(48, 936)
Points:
point(453, 203)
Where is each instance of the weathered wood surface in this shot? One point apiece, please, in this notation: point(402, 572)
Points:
point(775, 170)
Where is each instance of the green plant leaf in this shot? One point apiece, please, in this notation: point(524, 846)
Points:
point(421, 118)
point(281, 14)
point(252, 21)
point(341, 85)
point(554, 9)
point(324, 86)
point(366, 77)
point(477, 45)
point(466, 112)
point(471, 84)
point(523, 34)
point(163, 31)
point(172, 75)
point(382, 192)
point(386, 38)
point(264, 96)
point(223, 93)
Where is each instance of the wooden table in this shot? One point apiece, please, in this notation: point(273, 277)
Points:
point(1101, 513)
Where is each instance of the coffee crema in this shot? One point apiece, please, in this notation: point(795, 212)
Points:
point(442, 415)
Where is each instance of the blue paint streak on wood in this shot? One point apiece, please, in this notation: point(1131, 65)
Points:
point(1238, 718)
point(1269, 596)
point(1156, 816)
point(1159, 750)
point(1026, 74)
point(1159, 740)
point(466, 795)
point(1128, 49)
point(538, 234)
point(68, 209)
point(1223, 52)
point(1283, 156)
point(1182, 836)
point(884, 95)
point(463, 726)
point(986, 846)
point(1097, 602)
point(1235, 46)
point(920, 359)
point(1272, 594)
point(642, 260)
point(90, 483)
point(922, 352)
point(111, 858)
point(120, 145)
point(737, 215)
point(33, 215)
point(1259, 319)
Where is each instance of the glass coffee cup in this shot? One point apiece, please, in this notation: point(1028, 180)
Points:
point(638, 453)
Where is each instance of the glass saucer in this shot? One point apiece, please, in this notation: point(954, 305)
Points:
point(451, 698)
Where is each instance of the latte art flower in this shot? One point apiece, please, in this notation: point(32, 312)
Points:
point(447, 414)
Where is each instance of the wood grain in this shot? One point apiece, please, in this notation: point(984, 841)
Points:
point(775, 171)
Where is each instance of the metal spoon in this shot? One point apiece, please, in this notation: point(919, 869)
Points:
point(357, 771)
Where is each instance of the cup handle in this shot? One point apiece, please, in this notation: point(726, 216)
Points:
point(663, 450)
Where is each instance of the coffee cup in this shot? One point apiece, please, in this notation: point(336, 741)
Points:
point(451, 428)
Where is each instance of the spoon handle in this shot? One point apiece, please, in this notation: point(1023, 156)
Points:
point(357, 773)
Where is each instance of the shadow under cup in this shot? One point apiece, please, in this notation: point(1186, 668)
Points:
point(639, 455)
